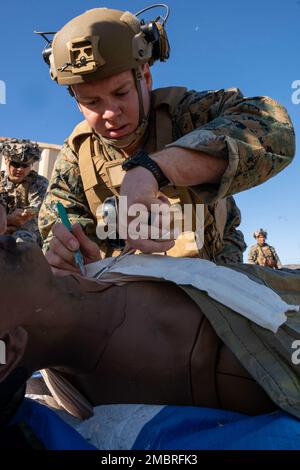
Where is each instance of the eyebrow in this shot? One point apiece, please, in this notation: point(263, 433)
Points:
point(116, 90)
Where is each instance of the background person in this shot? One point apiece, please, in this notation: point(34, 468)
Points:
point(22, 188)
point(262, 253)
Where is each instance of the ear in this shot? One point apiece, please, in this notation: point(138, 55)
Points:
point(147, 76)
point(73, 94)
point(12, 347)
point(79, 106)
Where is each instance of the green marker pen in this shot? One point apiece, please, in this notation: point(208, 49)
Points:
point(65, 220)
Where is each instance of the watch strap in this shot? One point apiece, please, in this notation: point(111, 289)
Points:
point(141, 158)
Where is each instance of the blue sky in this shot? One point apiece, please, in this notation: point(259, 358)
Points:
point(215, 44)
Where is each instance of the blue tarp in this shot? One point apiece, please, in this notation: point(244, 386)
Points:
point(180, 427)
point(49, 428)
point(170, 428)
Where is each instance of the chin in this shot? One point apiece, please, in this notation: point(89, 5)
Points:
point(15, 179)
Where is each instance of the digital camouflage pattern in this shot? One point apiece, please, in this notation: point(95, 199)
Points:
point(20, 150)
point(66, 186)
point(234, 243)
point(264, 255)
point(30, 192)
point(4, 200)
point(254, 134)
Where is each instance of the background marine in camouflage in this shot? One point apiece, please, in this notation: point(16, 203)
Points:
point(262, 253)
point(209, 145)
point(22, 189)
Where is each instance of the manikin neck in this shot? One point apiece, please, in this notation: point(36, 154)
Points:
point(68, 328)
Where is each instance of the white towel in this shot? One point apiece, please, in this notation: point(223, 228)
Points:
point(235, 290)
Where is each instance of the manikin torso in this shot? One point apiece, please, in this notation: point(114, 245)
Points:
point(154, 345)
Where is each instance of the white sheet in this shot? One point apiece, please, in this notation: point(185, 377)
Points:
point(235, 290)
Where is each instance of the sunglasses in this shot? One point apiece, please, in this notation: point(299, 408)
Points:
point(19, 165)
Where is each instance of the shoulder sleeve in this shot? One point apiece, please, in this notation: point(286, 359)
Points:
point(252, 255)
point(37, 190)
point(255, 135)
point(65, 186)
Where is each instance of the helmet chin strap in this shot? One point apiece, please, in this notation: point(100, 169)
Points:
point(135, 136)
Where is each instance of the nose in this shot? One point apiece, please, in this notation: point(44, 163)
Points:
point(111, 111)
point(7, 243)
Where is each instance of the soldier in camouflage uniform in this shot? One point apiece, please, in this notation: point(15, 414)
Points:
point(203, 146)
point(22, 189)
point(262, 253)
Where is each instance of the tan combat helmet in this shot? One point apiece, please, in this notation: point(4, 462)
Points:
point(20, 150)
point(100, 43)
point(103, 42)
point(259, 232)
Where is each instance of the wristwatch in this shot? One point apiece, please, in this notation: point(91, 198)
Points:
point(141, 158)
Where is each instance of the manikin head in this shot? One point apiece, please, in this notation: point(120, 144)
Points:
point(26, 284)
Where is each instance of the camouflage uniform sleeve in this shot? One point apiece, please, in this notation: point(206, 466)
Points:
point(3, 200)
point(65, 186)
point(233, 239)
point(36, 194)
point(255, 135)
point(252, 255)
point(3, 192)
point(37, 191)
point(274, 253)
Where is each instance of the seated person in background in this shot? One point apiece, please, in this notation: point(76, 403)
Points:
point(22, 189)
point(151, 342)
point(262, 253)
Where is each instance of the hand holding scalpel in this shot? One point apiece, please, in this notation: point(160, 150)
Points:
point(65, 220)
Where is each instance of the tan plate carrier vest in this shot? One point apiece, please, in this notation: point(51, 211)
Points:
point(102, 176)
point(264, 255)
